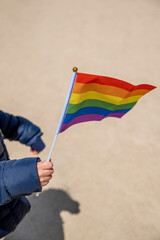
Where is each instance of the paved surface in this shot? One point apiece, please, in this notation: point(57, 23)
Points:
point(106, 184)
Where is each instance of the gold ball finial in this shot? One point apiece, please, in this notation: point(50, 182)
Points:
point(75, 69)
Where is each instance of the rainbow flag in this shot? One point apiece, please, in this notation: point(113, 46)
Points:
point(96, 97)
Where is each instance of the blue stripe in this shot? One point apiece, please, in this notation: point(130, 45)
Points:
point(91, 110)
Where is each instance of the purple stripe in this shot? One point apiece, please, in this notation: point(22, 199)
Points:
point(118, 115)
point(87, 118)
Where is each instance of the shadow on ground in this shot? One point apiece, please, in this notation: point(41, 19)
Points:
point(44, 220)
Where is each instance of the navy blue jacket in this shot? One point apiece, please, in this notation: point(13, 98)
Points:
point(18, 178)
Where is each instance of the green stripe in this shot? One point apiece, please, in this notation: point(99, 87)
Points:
point(97, 103)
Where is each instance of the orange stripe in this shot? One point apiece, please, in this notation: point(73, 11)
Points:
point(109, 90)
point(139, 92)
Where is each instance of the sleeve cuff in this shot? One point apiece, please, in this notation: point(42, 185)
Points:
point(21, 177)
point(38, 145)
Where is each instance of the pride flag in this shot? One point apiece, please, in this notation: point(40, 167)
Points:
point(96, 97)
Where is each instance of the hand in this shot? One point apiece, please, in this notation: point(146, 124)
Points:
point(45, 171)
point(34, 151)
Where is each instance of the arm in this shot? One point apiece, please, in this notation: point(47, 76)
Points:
point(18, 178)
point(23, 177)
point(22, 130)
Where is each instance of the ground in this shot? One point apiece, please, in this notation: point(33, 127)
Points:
point(106, 184)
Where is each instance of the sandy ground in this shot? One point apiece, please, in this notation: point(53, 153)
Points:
point(106, 184)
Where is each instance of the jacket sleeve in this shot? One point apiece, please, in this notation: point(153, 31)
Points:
point(18, 178)
point(22, 130)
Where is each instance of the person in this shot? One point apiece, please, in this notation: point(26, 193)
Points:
point(19, 178)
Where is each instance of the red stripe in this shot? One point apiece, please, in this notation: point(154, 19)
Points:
point(88, 78)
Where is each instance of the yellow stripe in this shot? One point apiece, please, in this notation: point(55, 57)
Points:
point(78, 98)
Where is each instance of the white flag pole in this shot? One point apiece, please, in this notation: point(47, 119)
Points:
point(75, 69)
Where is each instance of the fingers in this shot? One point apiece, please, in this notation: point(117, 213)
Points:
point(46, 165)
point(45, 171)
point(45, 180)
point(43, 184)
point(34, 151)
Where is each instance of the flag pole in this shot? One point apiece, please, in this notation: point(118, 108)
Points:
point(75, 69)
